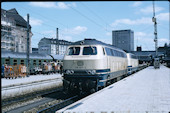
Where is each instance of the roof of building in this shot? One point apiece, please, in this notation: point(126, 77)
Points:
point(122, 30)
point(51, 41)
point(12, 13)
point(58, 57)
point(146, 53)
point(8, 54)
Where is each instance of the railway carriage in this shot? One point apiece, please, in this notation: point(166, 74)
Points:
point(18, 60)
point(90, 64)
point(133, 63)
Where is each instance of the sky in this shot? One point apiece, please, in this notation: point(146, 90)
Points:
point(78, 20)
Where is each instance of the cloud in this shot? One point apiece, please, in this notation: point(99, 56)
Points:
point(139, 34)
point(143, 20)
point(75, 30)
point(144, 39)
point(147, 40)
point(149, 9)
point(34, 22)
point(163, 16)
point(162, 41)
point(136, 4)
point(59, 5)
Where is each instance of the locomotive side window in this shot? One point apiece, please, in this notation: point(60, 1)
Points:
point(103, 51)
point(74, 51)
point(90, 51)
point(114, 52)
point(125, 56)
point(108, 51)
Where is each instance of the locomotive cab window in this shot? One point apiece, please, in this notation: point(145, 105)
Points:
point(74, 51)
point(90, 50)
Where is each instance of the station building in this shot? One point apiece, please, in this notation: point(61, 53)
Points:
point(14, 32)
point(50, 45)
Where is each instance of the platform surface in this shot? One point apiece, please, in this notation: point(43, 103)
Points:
point(145, 91)
point(33, 83)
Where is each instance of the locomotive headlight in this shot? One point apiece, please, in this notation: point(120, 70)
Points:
point(91, 72)
point(69, 71)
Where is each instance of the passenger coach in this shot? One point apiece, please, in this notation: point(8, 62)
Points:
point(90, 64)
point(133, 63)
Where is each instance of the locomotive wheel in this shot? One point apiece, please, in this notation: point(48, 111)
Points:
point(108, 82)
point(92, 90)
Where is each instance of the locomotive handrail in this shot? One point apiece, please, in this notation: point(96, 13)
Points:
point(13, 86)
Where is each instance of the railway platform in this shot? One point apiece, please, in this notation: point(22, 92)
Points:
point(147, 91)
point(15, 87)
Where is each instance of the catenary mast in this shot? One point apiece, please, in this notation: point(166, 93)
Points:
point(155, 30)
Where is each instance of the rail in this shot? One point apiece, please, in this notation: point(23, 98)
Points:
point(12, 100)
point(58, 106)
point(14, 86)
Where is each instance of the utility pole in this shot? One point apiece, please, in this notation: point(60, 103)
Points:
point(155, 30)
point(169, 24)
point(57, 49)
point(28, 45)
point(156, 59)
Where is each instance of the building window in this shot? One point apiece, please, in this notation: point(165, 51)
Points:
point(6, 61)
point(39, 62)
point(15, 62)
point(34, 62)
point(22, 62)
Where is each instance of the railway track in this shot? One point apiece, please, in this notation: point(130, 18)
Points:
point(60, 105)
point(14, 102)
point(47, 103)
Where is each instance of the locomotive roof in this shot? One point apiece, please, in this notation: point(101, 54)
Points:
point(94, 42)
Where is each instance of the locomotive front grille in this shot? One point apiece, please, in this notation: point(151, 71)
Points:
point(80, 63)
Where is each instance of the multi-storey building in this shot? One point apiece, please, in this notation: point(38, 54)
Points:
point(123, 39)
point(14, 32)
point(50, 45)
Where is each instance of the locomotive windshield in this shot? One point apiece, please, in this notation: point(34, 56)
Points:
point(74, 51)
point(89, 51)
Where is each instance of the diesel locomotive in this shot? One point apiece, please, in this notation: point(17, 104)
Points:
point(90, 65)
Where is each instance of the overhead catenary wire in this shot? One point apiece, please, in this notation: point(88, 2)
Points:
point(91, 11)
point(87, 17)
point(50, 19)
point(42, 15)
